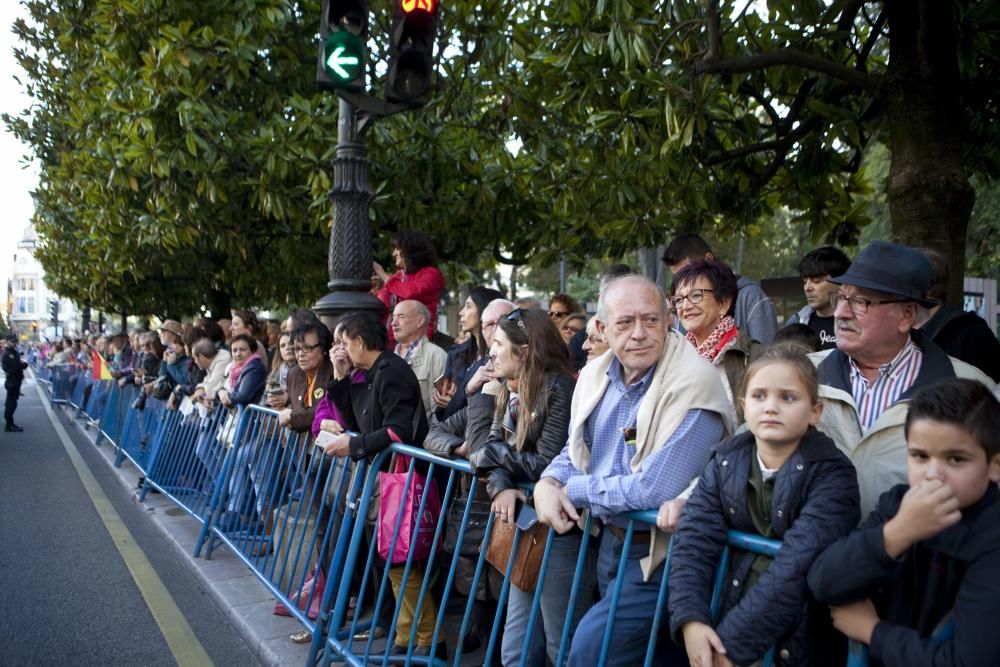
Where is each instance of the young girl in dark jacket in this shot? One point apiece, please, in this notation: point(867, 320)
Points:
point(782, 480)
point(530, 427)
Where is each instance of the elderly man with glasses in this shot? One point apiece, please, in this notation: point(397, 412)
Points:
point(308, 379)
point(880, 361)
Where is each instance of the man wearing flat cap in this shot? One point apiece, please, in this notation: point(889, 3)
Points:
point(14, 369)
point(879, 362)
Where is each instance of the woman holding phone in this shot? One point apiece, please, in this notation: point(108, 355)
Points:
point(465, 358)
point(530, 426)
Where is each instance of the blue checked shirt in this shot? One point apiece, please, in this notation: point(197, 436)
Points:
point(611, 487)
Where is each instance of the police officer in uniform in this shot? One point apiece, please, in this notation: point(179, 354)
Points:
point(14, 368)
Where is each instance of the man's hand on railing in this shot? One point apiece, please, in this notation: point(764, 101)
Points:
point(461, 452)
point(856, 620)
point(704, 648)
point(505, 504)
point(285, 417)
point(670, 514)
point(553, 506)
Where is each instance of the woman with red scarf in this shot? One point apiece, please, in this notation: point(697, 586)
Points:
point(246, 376)
point(417, 277)
point(704, 295)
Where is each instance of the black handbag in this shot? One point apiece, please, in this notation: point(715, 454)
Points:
point(475, 530)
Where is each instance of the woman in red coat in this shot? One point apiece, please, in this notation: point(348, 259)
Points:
point(417, 277)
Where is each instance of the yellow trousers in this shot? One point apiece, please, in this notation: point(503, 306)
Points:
point(408, 609)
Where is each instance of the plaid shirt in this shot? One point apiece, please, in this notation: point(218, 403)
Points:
point(610, 487)
point(894, 378)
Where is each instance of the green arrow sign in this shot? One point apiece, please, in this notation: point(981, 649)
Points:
point(343, 58)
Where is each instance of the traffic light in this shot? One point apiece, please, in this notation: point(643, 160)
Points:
point(411, 51)
point(343, 31)
point(54, 311)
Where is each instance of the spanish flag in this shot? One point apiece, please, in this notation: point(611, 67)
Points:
point(101, 371)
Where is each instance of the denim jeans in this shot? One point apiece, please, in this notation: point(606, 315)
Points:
point(556, 588)
point(633, 619)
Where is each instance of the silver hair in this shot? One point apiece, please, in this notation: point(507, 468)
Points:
point(602, 303)
point(499, 303)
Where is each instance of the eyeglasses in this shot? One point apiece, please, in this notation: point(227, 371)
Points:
point(557, 314)
point(858, 304)
point(305, 349)
point(695, 296)
point(593, 340)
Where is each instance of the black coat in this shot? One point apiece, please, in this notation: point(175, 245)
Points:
point(815, 502)
point(953, 572)
point(471, 424)
point(13, 367)
point(388, 399)
point(965, 336)
point(503, 466)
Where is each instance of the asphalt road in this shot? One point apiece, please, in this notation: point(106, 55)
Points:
point(67, 596)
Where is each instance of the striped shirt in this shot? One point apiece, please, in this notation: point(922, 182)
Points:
point(894, 378)
point(610, 486)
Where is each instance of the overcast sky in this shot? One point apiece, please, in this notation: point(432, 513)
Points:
point(16, 182)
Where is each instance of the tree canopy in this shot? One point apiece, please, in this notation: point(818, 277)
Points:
point(185, 149)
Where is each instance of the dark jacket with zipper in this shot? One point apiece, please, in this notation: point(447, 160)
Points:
point(815, 501)
point(951, 575)
point(503, 465)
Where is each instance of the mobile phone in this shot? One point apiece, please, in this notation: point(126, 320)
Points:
point(526, 518)
point(324, 438)
point(439, 383)
point(275, 391)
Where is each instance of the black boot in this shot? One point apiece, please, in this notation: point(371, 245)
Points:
point(13, 428)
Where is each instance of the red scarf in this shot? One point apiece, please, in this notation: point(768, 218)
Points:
point(236, 369)
point(724, 332)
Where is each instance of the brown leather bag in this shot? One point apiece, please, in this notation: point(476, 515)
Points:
point(527, 562)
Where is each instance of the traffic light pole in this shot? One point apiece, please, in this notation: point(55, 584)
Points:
point(350, 256)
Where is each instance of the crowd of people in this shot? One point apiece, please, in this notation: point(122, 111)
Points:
point(864, 434)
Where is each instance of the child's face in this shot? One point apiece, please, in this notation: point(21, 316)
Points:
point(945, 451)
point(777, 406)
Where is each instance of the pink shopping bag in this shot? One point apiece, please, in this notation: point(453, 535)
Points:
point(413, 526)
point(314, 586)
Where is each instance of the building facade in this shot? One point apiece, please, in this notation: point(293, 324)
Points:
point(29, 301)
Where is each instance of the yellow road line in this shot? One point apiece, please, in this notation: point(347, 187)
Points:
point(180, 638)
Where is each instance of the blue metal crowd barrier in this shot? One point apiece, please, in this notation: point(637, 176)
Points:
point(188, 458)
point(289, 513)
point(280, 506)
point(97, 400)
point(116, 410)
point(140, 432)
point(63, 380)
point(79, 393)
point(340, 642)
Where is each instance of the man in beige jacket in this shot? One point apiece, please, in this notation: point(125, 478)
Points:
point(880, 361)
point(409, 327)
point(643, 421)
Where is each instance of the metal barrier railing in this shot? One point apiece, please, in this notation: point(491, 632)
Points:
point(362, 561)
point(189, 457)
point(96, 402)
point(116, 410)
point(290, 513)
point(281, 506)
point(63, 380)
point(140, 432)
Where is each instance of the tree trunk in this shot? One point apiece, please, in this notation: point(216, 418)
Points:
point(219, 303)
point(930, 197)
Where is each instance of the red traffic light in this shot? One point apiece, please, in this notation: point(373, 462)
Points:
point(414, 5)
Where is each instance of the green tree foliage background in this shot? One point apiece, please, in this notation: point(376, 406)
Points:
point(186, 151)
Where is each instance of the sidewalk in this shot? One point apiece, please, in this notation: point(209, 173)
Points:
point(238, 593)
